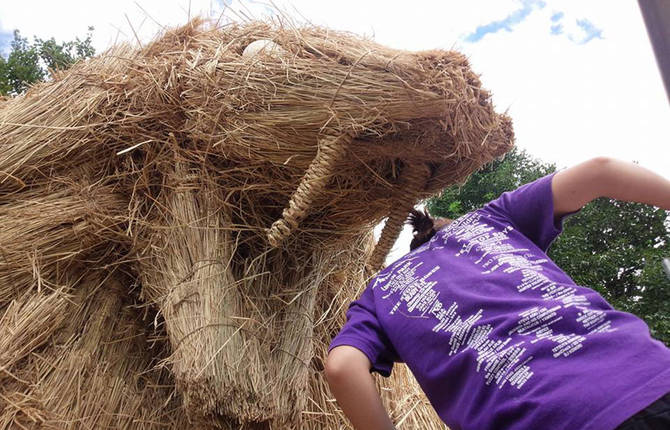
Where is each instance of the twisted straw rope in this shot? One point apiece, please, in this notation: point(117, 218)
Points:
point(313, 182)
point(415, 181)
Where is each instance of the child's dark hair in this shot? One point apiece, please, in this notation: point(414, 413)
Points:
point(423, 225)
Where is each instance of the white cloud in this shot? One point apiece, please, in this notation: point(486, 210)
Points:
point(68, 19)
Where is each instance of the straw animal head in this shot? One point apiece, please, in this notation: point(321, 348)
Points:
point(330, 124)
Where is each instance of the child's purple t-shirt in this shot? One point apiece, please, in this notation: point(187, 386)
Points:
point(498, 336)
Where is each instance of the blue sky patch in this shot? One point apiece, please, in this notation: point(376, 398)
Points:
point(557, 16)
point(506, 23)
point(557, 29)
point(6, 38)
point(590, 31)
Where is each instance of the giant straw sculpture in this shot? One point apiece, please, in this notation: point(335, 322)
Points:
point(183, 225)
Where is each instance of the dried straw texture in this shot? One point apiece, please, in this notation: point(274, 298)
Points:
point(184, 226)
point(189, 276)
point(51, 227)
point(78, 357)
point(338, 109)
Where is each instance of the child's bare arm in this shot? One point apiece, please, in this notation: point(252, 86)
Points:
point(348, 374)
point(606, 177)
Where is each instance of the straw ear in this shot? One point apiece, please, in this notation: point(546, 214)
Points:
point(331, 149)
point(415, 181)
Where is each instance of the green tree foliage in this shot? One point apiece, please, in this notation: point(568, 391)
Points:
point(614, 247)
point(516, 169)
point(28, 63)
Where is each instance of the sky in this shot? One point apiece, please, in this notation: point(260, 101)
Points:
point(578, 77)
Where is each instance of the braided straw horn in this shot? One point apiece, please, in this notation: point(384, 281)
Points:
point(415, 181)
point(312, 184)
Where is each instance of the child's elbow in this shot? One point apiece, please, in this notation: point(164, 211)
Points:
point(335, 367)
point(600, 181)
point(342, 361)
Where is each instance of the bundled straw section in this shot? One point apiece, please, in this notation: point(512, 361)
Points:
point(216, 363)
point(78, 357)
point(184, 225)
point(48, 228)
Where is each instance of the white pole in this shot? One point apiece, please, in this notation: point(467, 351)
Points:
point(666, 266)
point(656, 14)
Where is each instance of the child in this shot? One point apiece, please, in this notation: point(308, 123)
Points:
point(496, 334)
